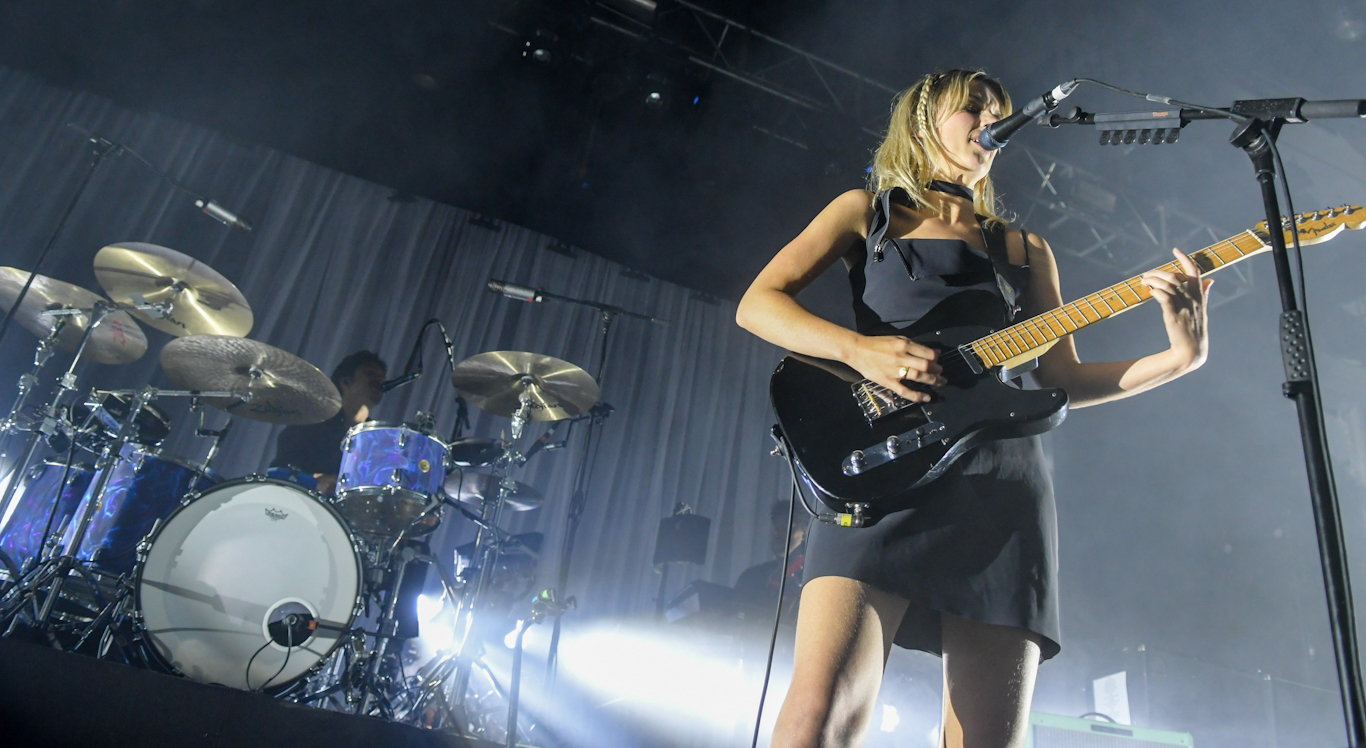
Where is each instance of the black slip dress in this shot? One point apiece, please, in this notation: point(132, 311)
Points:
point(984, 543)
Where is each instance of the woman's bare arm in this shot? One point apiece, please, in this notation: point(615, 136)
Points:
point(1183, 313)
point(770, 310)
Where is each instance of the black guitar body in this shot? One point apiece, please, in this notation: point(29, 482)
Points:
point(821, 417)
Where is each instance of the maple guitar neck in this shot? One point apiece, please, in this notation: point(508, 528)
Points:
point(1029, 339)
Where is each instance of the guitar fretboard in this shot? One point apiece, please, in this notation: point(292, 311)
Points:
point(1034, 333)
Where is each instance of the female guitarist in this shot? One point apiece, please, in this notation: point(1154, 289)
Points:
point(970, 574)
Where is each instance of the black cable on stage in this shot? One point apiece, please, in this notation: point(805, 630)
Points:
point(778, 613)
point(289, 633)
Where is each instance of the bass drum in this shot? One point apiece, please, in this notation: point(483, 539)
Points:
point(249, 585)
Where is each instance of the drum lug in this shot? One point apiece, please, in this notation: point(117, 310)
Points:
point(402, 439)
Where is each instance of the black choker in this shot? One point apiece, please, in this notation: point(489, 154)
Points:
point(949, 188)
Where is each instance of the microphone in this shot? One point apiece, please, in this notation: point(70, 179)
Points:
point(390, 384)
point(221, 214)
point(995, 135)
point(514, 291)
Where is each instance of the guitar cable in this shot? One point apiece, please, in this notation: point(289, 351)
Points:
point(783, 449)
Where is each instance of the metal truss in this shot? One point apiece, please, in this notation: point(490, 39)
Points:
point(1087, 219)
point(805, 86)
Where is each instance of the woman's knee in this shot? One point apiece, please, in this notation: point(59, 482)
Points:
point(824, 714)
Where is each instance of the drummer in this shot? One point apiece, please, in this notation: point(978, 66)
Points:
point(315, 450)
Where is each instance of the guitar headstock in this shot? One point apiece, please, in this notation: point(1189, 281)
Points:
point(1319, 226)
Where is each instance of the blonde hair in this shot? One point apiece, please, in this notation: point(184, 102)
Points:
point(912, 153)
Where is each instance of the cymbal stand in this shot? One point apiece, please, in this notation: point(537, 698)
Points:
point(10, 425)
point(216, 434)
point(54, 572)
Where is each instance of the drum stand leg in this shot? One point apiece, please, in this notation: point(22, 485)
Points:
point(385, 630)
point(10, 424)
point(57, 569)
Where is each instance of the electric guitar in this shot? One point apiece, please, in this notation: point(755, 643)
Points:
point(867, 449)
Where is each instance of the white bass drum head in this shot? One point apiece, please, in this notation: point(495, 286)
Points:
point(245, 554)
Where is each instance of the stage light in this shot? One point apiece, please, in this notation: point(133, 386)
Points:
point(429, 607)
point(665, 677)
point(510, 641)
point(542, 47)
point(890, 719)
point(654, 99)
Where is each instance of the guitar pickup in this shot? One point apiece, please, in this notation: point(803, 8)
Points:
point(862, 460)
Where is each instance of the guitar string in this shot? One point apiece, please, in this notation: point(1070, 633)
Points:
point(1010, 338)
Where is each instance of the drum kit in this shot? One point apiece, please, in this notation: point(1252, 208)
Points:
point(111, 545)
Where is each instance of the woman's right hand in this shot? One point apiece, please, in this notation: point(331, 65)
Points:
point(891, 360)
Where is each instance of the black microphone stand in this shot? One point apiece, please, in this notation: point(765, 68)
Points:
point(100, 149)
point(1259, 124)
point(578, 497)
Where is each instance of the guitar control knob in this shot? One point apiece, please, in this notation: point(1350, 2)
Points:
point(857, 461)
point(893, 445)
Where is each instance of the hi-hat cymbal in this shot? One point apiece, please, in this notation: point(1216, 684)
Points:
point(495, 381)
point(284, 388)
point(116, 340)
point(202, 301)
point(473, 489)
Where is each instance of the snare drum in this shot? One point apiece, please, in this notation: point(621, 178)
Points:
point(145, 486)
point(218, 582)
point(390, 476)
point(21, 533)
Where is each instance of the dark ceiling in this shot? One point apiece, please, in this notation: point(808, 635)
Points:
point(437, 99)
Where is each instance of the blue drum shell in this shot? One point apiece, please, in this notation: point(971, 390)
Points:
point(395, 459)
point(22, 536)
point(143, 488)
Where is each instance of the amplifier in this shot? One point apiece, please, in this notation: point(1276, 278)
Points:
point(1053, 731)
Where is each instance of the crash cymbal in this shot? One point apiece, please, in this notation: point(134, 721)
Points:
point(202, 301)
point(472, 489)
point(284, 388)
point(117, 340)
point(494, 382)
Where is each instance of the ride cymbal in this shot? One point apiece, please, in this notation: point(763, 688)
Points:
point(284, 388)
point(116, 340)
point(494, 382)
point(202, 301)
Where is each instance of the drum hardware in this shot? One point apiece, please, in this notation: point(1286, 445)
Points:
point(53, 573)
point(53, 422)
point(218, 435)
point(544, 605)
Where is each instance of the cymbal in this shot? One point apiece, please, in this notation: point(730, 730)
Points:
point(202, 301)
point(472, 489)
point(284, 388)
point(494, 382)
point(475, 451)
point(117, 340)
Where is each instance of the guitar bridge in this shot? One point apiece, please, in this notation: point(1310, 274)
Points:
point(863, 460)
point(877, 402)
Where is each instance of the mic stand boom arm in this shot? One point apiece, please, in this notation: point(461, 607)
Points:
point(606, 309)
point(1259, 124)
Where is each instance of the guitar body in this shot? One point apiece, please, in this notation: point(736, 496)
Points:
point(867, 454)
point(821, 417)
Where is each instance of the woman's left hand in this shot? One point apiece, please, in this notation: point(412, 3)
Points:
point(1183, 301)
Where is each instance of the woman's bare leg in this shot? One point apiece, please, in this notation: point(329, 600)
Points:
point(988, 683)
point(844, 633)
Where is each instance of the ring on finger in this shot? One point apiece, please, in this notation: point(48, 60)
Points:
point(903, 372)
